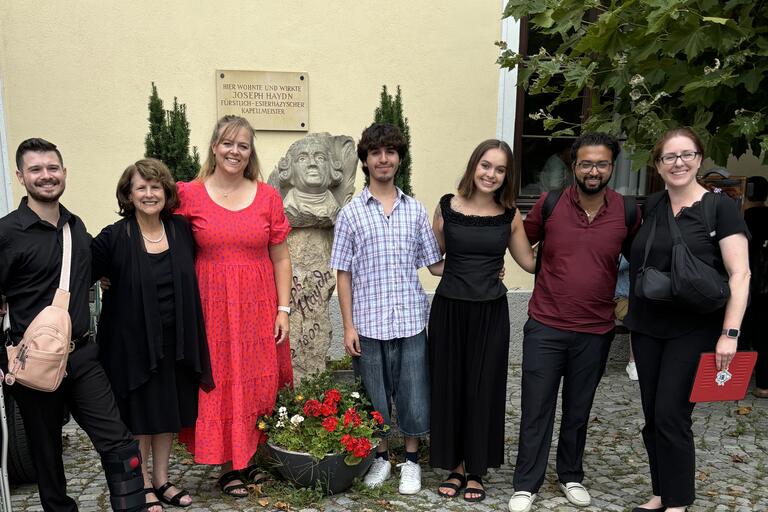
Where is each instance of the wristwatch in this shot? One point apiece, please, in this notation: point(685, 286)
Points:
point(731, 333)
point(284, 309)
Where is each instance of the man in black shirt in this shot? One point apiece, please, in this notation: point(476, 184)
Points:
point(30, 266)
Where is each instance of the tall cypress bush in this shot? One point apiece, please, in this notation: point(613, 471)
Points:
point(390, 110)
point(168, 138)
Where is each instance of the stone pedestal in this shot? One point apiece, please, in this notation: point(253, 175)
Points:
point(312, 285)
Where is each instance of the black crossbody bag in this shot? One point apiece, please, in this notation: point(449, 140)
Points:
point(691, 282)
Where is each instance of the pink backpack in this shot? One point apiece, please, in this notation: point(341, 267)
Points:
point(39, 361)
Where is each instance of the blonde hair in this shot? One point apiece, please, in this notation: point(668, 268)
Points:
point(229, 126)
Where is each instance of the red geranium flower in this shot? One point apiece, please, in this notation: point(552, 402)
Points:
point(329, 424)
point(327, 409)
point(362, 447)
point(312, 408)
point(332, 396)
point(352, 417)
point(378, 417)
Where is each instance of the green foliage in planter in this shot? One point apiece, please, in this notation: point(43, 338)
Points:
point(322, 416)
point(652, 65)
point(345, 363)
point(168, 138)
point(390, 110)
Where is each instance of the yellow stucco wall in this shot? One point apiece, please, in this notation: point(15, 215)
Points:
point(79, 73)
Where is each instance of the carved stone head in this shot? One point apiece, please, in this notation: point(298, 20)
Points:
point(315, 178)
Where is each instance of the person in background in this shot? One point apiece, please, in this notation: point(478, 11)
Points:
point(244, 272)
point(151, 335)
point(755, 321)
point(621, 297)
point(469, 320)
point(382, 237)
point(667, 337)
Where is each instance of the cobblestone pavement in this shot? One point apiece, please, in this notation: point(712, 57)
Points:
point(732, 466)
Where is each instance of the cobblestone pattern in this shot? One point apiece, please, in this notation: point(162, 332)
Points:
point(732, 465)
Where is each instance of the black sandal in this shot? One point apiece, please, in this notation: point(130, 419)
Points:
point(448, 485)
point(230, 490)
point(174, 500)
point(254, 475)
point(474, 490)
point(149, 490)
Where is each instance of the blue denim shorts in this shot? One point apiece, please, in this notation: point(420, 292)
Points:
point(397, 371)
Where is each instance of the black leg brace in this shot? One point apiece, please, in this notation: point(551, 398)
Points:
point(122, 468)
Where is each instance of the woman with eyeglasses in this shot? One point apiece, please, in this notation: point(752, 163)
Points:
point(668, 337)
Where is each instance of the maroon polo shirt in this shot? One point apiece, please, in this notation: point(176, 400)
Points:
point(574, 288)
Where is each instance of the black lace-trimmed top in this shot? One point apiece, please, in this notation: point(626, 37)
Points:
point(474, 253)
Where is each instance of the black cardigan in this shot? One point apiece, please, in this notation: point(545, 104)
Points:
point(130, 329)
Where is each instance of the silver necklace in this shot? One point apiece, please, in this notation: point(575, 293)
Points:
point(162, 235)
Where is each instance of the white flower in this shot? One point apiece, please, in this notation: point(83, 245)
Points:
point(296, 419)
point(635, 94)
point(283, 413)
point(355, 394)
point(636, 80)
point(279, 424)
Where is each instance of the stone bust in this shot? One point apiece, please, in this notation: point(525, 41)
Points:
point(315, 178)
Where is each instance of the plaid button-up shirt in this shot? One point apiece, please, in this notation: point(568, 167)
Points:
point(383, 254)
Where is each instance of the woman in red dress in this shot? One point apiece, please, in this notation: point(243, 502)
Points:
point(244, 271)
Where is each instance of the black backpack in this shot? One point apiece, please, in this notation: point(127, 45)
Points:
point(630, 218)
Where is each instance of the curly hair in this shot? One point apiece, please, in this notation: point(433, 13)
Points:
point(381, 135)
point(150, 169)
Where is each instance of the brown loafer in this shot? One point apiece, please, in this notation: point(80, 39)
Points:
point(760, 392)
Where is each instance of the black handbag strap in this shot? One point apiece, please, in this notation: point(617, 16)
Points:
point(677, 236)
point(650, 240)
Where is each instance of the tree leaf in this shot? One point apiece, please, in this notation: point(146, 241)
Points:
point(712, 19)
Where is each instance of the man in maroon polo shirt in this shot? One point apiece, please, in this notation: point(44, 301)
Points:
point(571, 321)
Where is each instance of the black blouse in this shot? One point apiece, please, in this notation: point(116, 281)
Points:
point(667, 320)
point(130, 326)
point(474, 253)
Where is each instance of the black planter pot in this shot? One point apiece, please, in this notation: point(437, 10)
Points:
point(333, 475)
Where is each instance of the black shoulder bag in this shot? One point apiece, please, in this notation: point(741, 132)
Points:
point(691, 282)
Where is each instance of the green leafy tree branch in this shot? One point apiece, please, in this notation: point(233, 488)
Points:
point(649, 65)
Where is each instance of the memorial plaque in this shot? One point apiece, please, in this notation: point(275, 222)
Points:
point(270, 100)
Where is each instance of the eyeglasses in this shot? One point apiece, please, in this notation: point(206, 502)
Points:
point(685, 156)
point(586, 165)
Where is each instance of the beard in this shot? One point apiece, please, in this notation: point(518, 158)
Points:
point(33, 193)
point(592, 191)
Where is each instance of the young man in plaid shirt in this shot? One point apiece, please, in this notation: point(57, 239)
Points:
point(382, 238)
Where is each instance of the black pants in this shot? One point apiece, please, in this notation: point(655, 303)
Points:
point(549, 355)
point(754, 327)
point(87, 393)
point(666, 368)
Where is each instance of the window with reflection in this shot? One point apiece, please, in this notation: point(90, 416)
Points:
point(543, 161)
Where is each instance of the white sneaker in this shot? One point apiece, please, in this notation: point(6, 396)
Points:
point(380, 471)
point(521, 501)
point(576, 493)
point(632, 370)
point(410, 477)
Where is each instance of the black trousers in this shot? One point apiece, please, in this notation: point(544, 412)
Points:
point(87, 393)
point(666, 368)
point(548, 355)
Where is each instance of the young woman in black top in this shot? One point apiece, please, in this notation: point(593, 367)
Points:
point(469, 320)
point(667, 337)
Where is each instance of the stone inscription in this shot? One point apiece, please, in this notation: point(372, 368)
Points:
point(307, 299)
point(270, 100)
